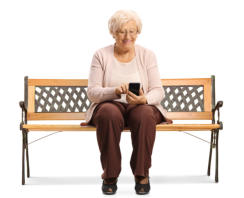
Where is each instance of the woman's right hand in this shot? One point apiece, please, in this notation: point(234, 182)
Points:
point(122, 89)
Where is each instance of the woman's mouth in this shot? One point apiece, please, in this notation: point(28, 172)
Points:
point(126, 41)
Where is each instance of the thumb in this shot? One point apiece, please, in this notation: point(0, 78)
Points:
point(141, 92)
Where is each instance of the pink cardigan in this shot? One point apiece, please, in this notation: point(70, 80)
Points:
point(98, 91)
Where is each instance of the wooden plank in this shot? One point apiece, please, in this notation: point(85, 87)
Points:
point(187, 127)
point(56, 116)
point(208, 96)
point(43, 127)
point(81, 116)
point(84, 82)
point(57, 82)
point(189, 115)
point(160, 127)
point(31, 99)
point(185, 81)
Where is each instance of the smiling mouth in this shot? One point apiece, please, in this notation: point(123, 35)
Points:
point(126, 41)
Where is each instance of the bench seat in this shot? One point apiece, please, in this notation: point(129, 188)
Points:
point(159, 127)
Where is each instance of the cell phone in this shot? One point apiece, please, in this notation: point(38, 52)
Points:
point(134, 88)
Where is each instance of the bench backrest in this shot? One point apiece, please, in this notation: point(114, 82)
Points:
point(66, 99)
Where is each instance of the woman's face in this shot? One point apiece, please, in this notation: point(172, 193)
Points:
point(126, 36)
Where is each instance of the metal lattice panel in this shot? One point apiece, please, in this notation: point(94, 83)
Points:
point(183, 98)
point(74, 99)
point(61, 99)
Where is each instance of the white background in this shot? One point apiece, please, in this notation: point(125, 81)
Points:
point(56, 39)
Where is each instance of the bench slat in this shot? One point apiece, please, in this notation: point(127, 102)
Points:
point(57, 82)
point(159, 127)
point(81, 116)
point(56, 116)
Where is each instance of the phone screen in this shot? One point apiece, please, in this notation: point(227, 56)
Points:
point(134, 88)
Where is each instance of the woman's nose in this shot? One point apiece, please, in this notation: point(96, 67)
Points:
point(127, 35)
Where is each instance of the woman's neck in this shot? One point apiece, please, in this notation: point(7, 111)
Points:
point(124, 55)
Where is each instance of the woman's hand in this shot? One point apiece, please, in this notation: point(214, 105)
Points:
point(122, 89)
point(131, 98)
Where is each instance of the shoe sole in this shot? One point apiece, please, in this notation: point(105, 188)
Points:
point(107, 193)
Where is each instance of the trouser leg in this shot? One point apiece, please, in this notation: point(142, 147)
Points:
point(109, 121)
point(142, 120)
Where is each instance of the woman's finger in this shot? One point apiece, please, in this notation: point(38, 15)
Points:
point(131, 100)
point(131, 94)
point(141, 92)
point(123, 88)
point(128, 98)
point(127, 88)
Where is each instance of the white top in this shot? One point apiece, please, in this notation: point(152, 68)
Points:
point(123, 73)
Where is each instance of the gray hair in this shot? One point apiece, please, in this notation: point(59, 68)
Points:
point(123, 16)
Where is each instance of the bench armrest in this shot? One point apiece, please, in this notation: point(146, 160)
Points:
point(23, 114)
point(216, 108)
point(22, 105)
point(218, 105)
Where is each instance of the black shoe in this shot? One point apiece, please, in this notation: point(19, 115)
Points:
point(142, 189)
point(106, 187)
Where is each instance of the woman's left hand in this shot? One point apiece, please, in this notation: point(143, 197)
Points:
point(131, 98)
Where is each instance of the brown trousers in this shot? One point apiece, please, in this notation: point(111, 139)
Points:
point(110, 118)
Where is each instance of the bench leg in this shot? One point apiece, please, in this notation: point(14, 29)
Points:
point(27, 155)
point(214, 143)
point(217, 157)
point(23, 156)
point(210, 153)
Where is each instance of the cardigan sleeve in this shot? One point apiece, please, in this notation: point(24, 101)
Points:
point(155, 92)
point(95, 92)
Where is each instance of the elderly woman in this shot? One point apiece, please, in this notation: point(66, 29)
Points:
point(114, 107)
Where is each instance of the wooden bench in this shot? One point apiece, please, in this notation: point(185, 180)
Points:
point(66, 99)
